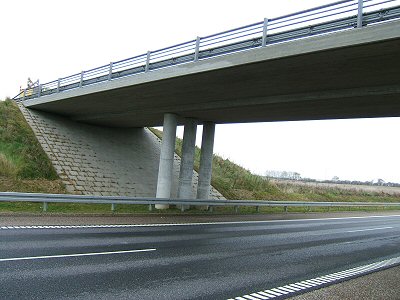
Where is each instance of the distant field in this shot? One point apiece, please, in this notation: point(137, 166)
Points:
point(395, 191)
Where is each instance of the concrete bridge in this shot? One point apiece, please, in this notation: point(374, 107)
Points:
point(345, 68)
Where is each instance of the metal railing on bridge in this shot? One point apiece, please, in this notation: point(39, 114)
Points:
point(337, 16)
point(114, 200)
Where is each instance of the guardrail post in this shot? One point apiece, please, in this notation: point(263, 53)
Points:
point(81, 82)
point(285, 209)
point(110, 71)
point(38, 93)
point(146, 69)
point(150, 207)
point(197, 49)
point(24, 94)
point(236, 209)
point(45, 206)
point(211, 208)
point(257, 209)
point(265, 31)
point(113, 206)
point(360, 13)
point(58, 85)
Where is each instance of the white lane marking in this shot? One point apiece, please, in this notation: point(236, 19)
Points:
point(250, 297)
point(258, 296)
point(262, 295)
point(267, 294)
point(370, 229)
point(185, 224)
point(326, 280)
point(279, 291)
point(75, 255)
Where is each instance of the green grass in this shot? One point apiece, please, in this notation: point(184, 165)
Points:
point(68, 208)
point(21, 155)
point(235, 182)
point(24, 167)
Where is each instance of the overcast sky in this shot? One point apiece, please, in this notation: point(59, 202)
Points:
point(50, 39)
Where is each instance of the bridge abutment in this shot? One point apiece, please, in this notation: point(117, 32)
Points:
point(95, 160)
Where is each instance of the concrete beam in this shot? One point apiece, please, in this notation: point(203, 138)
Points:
point(185, 190)
point(205, 172)
point(164, 182)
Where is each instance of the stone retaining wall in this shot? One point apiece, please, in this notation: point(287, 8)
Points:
point(94, 160)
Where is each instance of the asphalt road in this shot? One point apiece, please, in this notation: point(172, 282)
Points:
point(205, 261)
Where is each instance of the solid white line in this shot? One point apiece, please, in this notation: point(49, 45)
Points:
point(75, 255)
point(369, 229)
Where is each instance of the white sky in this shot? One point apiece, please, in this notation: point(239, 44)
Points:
point(46, 40)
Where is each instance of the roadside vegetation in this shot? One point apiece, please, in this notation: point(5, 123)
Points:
point(24, 167)
point(235, 182)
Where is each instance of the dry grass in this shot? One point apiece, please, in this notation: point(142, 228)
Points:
point(7, 168)
point(8, 184)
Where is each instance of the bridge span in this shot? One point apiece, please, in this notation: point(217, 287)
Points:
point(345, 68)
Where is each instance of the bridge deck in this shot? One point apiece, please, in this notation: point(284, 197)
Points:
point(348, 74)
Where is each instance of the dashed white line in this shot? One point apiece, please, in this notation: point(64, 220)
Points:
point(75, 255)
point(290, 290)
point(184, 224)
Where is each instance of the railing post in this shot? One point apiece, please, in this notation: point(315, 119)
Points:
point(197, 49)
point(147, 62)
point(39, 89)
point(44, 206)
point(58, 85)
point(110, 71)
point(360, 13)
point(265, 31)
point(81, 83)
point(24, 94)
point(113, 205)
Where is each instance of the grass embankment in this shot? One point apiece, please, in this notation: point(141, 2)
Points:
point(235, 182)
point(24, 167)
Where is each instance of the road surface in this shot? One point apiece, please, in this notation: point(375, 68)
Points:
point(193, 261)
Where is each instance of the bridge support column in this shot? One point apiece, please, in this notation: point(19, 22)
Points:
point(165, 169)
point(207, 146)
point(185, 190)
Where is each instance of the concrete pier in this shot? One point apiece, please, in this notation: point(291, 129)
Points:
point(185, 190)
point(164, 182)
point(207, 146)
